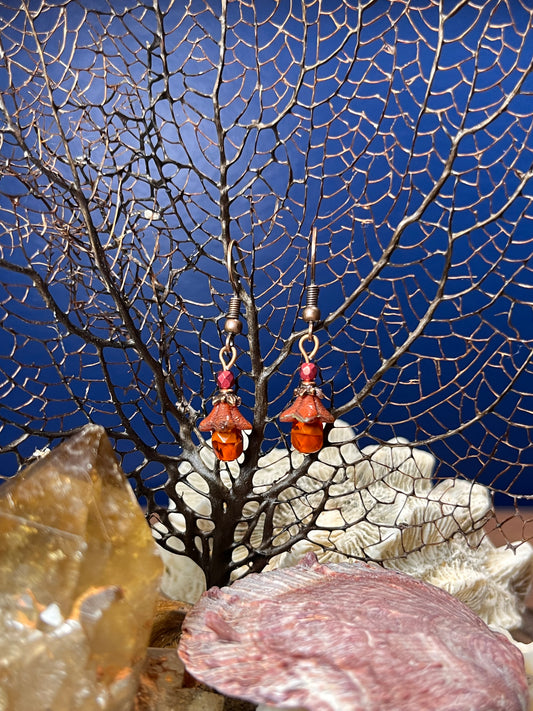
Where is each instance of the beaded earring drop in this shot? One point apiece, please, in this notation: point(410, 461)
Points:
point(225, 421)
point(307, 413)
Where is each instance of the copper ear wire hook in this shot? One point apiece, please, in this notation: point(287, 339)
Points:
point(312, 286)
point(311, 312)
point(312, 255)
point(233, 324)
point(230, 266)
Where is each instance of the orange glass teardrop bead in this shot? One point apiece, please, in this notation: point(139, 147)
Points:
point(307, 437)
point(227, 445)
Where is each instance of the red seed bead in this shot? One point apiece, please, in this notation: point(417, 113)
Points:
point(225, 379)
point(227, 445)
point(308, 372)
point(307, 437)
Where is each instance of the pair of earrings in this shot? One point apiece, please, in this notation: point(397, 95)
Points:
point(307, 413)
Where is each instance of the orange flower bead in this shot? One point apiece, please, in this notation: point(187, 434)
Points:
point(307, 413)
point(307, 437)
point(225, 422)
point(227, 445)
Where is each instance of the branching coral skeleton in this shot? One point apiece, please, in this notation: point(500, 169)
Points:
point(383, 506)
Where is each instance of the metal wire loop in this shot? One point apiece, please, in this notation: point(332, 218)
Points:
point(312, 353)
point(226, 348)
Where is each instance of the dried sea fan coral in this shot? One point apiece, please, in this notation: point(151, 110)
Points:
point(386, 508)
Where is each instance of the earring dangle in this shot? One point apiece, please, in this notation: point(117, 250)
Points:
point(225, 420)
point(307, 413)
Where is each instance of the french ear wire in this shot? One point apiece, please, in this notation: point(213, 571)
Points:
point(307, 413)
point(225, 420)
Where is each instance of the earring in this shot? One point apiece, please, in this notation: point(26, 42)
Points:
point(225, 421)
point(307, 413)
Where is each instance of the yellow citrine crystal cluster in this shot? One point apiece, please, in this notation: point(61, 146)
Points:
point(79, 578)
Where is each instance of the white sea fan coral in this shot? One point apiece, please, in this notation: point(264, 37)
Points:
point(433, 532)
point(182, 578)
point(383, 506)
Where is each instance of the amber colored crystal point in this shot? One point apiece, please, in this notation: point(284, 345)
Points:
point(79, 581)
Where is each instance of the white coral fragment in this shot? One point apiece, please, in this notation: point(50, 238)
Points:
point(379, 504)
point(182, 578)
point(432, 532)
